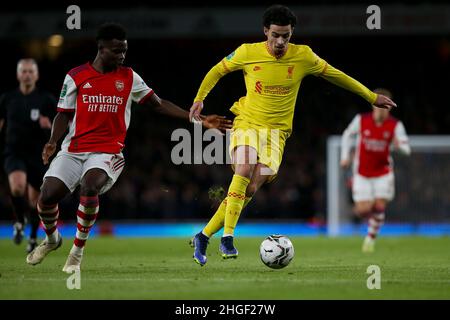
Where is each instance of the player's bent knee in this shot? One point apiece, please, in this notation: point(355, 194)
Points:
point(52, 191)
point(93, 182)
point(244, 170)
point(46, 198)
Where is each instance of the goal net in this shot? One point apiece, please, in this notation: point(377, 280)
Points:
point(422, 187)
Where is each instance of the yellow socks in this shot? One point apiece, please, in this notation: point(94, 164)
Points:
point(217, 221)
point(235, 203)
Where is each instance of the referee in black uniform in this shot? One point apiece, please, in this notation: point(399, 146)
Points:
point(26, 114)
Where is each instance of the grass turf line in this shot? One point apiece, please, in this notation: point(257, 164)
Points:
point(163, 268)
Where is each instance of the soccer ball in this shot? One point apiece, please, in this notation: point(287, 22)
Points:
point(276, 251)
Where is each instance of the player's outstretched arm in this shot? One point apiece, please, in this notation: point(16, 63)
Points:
point(172, 110)
point(59, 127)
point(342, 80)
point(208, 83)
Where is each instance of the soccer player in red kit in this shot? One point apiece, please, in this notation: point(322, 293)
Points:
point(95, 103)
point(377, 133)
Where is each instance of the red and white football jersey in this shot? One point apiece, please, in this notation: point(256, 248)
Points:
point(102, 107)
point(373, 144)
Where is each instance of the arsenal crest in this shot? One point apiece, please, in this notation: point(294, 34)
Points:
point(119, 85)
point(34, 115)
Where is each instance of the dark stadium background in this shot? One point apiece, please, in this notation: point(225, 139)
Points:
point(415, 67)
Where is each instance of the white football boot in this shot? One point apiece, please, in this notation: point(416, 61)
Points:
point(368, 245)
point(41, 251)
point(73, 263)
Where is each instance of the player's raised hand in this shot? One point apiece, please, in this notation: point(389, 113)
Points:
point(216, 122)
point(48, 151)
point(384, 102)
point(195, 110)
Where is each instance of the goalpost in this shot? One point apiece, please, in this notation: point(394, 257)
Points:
point(422, 185)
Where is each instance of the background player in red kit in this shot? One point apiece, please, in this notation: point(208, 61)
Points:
point(373, 177)
point(95, 103)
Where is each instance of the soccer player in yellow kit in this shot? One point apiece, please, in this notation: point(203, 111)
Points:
point(273, 71)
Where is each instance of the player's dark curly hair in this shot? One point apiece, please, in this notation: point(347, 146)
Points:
point(110, 31)
point(279, 15)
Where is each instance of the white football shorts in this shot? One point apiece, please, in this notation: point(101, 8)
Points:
point(71, 167)
point(369, 189)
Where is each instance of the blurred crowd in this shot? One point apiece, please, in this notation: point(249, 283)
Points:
point(152, 187)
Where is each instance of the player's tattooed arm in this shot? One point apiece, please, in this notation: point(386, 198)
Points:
point(59, 127)
point(172, 110)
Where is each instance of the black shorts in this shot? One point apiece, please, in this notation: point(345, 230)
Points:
point(32, 165)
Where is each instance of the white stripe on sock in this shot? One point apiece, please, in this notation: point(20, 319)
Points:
point(88, 210)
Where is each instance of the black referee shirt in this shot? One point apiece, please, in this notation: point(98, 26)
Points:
point(21, 113)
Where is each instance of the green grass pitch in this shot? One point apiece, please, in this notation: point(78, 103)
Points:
point(163, 268)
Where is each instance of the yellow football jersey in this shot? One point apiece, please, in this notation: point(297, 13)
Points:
point(272, 83)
